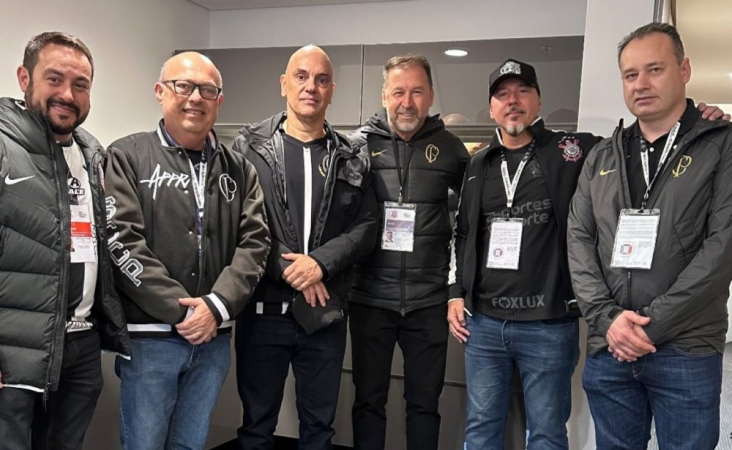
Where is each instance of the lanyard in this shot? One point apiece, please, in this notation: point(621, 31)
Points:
point(508, 184)
point(664, 156)
point(402, 177)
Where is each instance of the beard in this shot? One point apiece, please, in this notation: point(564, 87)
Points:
point(57, 128)
point(515, 129)
point(405, 127)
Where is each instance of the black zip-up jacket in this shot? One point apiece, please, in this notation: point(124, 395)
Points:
point(151, 212)
point(561, 166)
point(35, 236)
point(345, 228)
point(404, 281)
point(685, 292)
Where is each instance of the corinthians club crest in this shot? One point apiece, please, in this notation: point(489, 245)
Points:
point(431, 153)
point(572, 150)
point(511, 67)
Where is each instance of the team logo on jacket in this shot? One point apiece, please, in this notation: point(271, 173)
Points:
point(324, 166)
point(572, 150)
point(431, 153)
point(227, 185)
point(681, 167)
point(511, 67)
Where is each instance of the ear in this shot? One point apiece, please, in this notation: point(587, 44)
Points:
point(383, 98)
point(159, 92)
point(282, 86)
point(331, 94)
point(24, 78)
point(220, 100)
point(686, 70)
point(432, 97)
point(490, 108)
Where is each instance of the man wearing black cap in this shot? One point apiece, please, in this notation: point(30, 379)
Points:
point(512, 275)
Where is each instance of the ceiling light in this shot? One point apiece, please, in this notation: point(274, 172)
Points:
point(457, 52)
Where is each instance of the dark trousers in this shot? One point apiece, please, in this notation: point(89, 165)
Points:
point(422, 336)
point(266, 345)
point(26, 423)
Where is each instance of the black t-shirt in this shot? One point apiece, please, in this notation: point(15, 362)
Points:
point(296, 153)
point(634, 166)
point(529, 292)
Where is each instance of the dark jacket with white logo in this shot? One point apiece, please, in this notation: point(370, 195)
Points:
point(407, 281)
point(345, 228)
point(560, 156)
point(35, 256)
point(686, 290)
point(151, 212)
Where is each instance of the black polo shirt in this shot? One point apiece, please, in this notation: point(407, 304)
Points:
point(632, 146)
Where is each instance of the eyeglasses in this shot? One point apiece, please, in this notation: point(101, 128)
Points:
point(183, 87)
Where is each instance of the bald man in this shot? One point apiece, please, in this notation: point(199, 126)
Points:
point(322, 216)
point(189, 240)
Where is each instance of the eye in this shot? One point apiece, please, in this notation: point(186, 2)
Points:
point(323, 81)
point(53, 79)
point(300, 77)
point(82, 86)
point(630, 76)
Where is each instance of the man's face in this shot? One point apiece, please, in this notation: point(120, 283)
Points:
point(187, 115)
point(308, 85)
point(58, 88)
point(654, 82)
point(515, 105)
point(407, 97)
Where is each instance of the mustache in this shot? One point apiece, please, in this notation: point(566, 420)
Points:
point(59, 102)
point(515, 109)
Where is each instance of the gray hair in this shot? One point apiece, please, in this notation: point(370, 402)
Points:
point(651, 28)
point(408, 60)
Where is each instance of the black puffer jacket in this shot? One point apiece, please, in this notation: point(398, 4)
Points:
point(346, 222)
point(401, 281)
point(35, 251)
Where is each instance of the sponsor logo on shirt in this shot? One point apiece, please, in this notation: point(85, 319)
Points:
point(532, 301)
point(160, 178)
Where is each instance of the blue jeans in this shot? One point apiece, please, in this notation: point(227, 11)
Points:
point(546, 353)
point(169, 390)
point(680, 391)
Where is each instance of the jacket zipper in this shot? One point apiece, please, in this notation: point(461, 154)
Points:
point(404, 194)
point(60, 322)
point(622, 173)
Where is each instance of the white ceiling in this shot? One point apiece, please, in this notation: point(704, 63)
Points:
point(706, 29)
point(218, 5)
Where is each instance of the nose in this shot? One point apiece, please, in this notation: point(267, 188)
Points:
point(408, 100)
point(195, 95)
point(512, 97)
point(66, 93)
point(642, 81)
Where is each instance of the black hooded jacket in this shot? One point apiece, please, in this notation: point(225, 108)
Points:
point(407, 281)
point(345, 229)
point(35, 238)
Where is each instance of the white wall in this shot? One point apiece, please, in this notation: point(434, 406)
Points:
point(393, 22)
point(129, 40)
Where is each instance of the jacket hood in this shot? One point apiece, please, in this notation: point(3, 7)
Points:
point(257, 133)
point(379, 124)
point(30, 129)
point(21, 125)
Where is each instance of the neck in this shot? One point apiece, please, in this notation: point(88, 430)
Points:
point(654, 128)
point(189, 141)
point(405, 135)
point(515, 142)
point(62, 137)
point(304, 131)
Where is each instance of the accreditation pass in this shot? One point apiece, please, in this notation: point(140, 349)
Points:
point(399, 219)
point(635, 238)
point(504, 247)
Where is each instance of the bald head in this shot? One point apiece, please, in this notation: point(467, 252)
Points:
point(308, 85)
point(190, 60)
point(189, 91)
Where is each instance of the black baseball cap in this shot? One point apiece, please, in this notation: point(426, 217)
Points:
point(512, 68)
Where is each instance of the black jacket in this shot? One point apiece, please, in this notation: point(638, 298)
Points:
point(35, 251)
point(685, 292)
point(153, 237)
point(403, 281)
point(346, 221)
point(561, 167)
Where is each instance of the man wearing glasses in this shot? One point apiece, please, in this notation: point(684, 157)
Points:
point(189, 240)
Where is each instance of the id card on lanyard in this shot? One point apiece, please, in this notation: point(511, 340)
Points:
point(199, 192)
point(504, 247)
point(399, 217)
point(637, 231)
point(83, 237)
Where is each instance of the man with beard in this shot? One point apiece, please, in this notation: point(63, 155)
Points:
point(58, 307)
point(513, 303)
point(400, 291)
point(322, 216)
